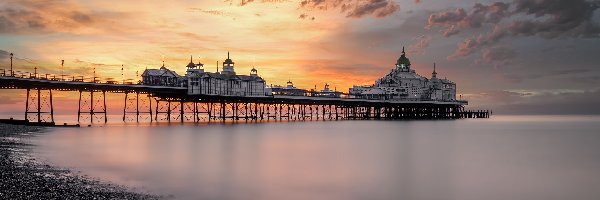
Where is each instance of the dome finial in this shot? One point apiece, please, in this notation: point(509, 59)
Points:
point(403, 60)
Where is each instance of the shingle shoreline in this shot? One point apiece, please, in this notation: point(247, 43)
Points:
point(21, 177)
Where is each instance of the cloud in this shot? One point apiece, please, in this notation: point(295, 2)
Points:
point(376, 8)
point(559, 101)
point(34, 17)
point(574, 74)
point(244, 2)
point(198, 37)
point(498, 54)
point(447, 18)
point(472, 44)
point(354, 9)
point(564, 18)
point(533, 102)
point(478, 16)
point(547, 19)
point(498, 96)
point(422, 42)
point(350, 8)
point(4, 54)
point(450, 31)
point(210, 12)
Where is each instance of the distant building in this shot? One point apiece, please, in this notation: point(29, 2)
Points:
point(326, 92)
point(226, 82)
point(441, 89)
point(288, 90)
point(403, 83)
point(161, 77)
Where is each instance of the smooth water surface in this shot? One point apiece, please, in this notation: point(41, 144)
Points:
point(502, 158)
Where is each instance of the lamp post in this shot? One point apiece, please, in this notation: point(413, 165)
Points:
point(11, 65)
point(122, 75)
point(62, 71)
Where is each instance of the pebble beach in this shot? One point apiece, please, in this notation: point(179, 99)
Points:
point(23, 177)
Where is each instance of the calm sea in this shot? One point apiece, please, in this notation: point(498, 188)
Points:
point(503, 158)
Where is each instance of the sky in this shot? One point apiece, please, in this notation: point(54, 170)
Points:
point(511, 56)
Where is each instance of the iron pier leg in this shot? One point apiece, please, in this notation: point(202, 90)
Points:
point(104, 102)
point(125, 106)
point(92, 107)
point(78, 110)
point(39, 106)
point(27, 105)
point(255, 111)
point(336, 112)
point(137, 107)
point(181, 112)
point(223, 110)
point(169, 110)
point(209, 107)
point(156, 113)
point(51, 107)
point(196, 119)
point(150, 107)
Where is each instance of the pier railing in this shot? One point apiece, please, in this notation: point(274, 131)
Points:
point(64, 77)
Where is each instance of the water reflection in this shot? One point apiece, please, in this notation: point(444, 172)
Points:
point(465, 159)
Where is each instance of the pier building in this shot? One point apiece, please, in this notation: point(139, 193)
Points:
point(161, 77)
point(288, 90)
point(200, 82)
point(326, 92)
point(404, 84)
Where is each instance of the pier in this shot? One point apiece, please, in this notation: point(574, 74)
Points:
point(174, 104)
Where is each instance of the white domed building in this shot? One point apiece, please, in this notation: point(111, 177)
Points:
point(404, 84)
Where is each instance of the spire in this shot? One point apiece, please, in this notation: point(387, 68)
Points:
point(434, 74)
point(191, 65)
point(227, 54)
point(403, 52)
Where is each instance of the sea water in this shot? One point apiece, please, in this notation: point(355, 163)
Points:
point(505, 157)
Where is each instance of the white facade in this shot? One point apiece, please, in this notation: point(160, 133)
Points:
point(403, 83)
point(225, 83)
